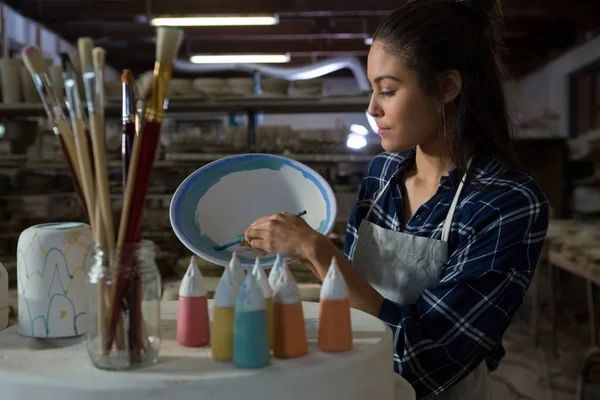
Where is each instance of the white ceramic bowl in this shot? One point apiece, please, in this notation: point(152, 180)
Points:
point(217, 202)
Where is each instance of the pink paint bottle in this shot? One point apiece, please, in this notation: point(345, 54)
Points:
point(193, 327)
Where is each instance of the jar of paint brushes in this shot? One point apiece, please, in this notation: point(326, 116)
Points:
point(124, 307)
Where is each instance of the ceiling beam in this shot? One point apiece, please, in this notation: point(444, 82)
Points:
point(356, 47)
point(68, 10)
point(295, 28)
point(142, 46)
point(139, 65)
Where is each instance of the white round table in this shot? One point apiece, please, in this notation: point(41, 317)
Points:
point(61, 369)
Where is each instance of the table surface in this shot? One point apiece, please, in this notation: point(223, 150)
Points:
point(65, 362)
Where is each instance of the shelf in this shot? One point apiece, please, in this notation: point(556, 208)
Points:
point(268, 105)
point(321, 158)
point(178, 160)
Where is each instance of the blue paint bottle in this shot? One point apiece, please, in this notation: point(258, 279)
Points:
point(251, 347)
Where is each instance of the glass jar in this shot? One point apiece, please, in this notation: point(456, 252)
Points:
point(124, 307)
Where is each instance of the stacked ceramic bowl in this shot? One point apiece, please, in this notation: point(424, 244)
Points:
point(308, 87)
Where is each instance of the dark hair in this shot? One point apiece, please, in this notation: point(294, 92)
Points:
point(433, 36)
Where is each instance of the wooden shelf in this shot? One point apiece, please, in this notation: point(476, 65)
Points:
point(178, 160)
point(267, 105)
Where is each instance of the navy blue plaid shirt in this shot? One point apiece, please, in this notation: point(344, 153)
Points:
point(495, 241)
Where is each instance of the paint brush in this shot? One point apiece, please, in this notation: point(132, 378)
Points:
point(53, 107)
point(242, 239)
point(74, 105)
point(142, 159)
point(129, 122)
point(96, 120)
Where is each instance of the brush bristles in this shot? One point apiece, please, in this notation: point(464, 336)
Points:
point(127, 76)
point(99, 55)
point(168, 43)
point(85, 46)
point(32, 57)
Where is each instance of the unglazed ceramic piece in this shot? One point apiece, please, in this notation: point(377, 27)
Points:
point(216, 203)
point(52, 264)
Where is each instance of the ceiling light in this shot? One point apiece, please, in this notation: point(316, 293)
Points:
point(369, 41)
point(355, 141)
point(359, 129)
point(217, 20)
point(240, 58)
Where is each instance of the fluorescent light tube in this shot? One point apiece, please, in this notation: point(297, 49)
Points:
point(240, 58)
point(216, 20)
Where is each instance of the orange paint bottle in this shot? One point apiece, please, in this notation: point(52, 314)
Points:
point(335, 324)
point(289, 333)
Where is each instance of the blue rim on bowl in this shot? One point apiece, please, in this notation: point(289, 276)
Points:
point(185, 200)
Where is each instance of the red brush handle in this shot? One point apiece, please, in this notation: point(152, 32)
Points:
point(149, 140)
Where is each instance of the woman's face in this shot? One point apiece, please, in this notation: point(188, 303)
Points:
point(405, 114)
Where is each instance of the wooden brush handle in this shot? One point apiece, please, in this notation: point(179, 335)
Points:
point(102, 187)
point(75, 177)
point(66, 136)
point(85, 169)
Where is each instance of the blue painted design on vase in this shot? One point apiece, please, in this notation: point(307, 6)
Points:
point(251, 339)
point(196, 186)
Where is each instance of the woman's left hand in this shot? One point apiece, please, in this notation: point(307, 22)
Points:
point(282, 233)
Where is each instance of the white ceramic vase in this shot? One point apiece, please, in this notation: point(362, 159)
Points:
point(52, 264)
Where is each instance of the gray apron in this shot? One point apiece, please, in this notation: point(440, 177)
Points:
point(400, 266)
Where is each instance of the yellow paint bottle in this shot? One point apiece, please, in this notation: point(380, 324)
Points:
point(261, 277)
point(221, 338)
point(221, 335)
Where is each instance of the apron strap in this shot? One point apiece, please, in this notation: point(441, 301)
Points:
point(450, 215)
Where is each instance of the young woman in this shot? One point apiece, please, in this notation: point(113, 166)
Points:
point(446, 232)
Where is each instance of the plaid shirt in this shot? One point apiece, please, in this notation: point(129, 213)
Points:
point(495, 242)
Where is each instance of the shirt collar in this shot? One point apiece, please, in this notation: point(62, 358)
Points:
point(481, 162)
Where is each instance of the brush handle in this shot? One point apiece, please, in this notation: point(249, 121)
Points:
point(127, 138)
point(101, 172)
point(239, 240)
point(242, 238)
point(85, 169)
point(145, 146)
point(71, 165)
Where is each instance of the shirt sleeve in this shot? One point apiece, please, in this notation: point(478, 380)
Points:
point(454, 324)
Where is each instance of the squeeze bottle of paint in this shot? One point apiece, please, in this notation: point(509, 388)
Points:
point(261, 278)
point(251, 329)
point(237, 272)
point(275, 272)
point(192, 312)
point(335, 325)
point(221, 338)
point(289, 334)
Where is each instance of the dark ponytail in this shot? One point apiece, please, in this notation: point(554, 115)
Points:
point(434, 36)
